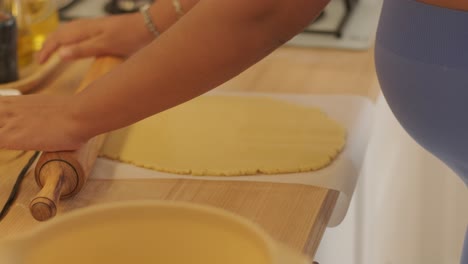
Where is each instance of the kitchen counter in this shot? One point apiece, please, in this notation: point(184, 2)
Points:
point(292, 213)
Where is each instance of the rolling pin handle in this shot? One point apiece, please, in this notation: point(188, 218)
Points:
point(44, 206)
point(62, 174)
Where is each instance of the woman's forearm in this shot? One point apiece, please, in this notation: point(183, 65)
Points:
point(214, 42)
point(119, 35)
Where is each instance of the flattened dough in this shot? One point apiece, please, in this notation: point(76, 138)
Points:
point(229, 136)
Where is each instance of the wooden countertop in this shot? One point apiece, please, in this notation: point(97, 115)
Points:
point(294, 214)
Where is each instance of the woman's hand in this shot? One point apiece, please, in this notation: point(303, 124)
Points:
point(119, 35)
point(40, 122)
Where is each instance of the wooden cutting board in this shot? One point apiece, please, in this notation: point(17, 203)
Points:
point(292, 213)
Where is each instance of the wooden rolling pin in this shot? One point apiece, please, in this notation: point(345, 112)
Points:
point(62, 174)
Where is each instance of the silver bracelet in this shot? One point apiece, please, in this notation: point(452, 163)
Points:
point(144, 10)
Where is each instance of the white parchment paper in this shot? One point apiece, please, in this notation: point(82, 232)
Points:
point(353, 112)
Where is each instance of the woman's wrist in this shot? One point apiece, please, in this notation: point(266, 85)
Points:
point(140, 31)
point(150, 26)
point(85, 121)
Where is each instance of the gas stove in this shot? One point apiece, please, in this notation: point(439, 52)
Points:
point(344, 24)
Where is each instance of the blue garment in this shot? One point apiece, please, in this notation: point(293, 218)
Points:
point(421, 58)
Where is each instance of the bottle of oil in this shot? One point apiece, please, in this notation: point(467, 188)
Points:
point(24, 42)
point(36, 19)
point(8, 54)
point(43, 19)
